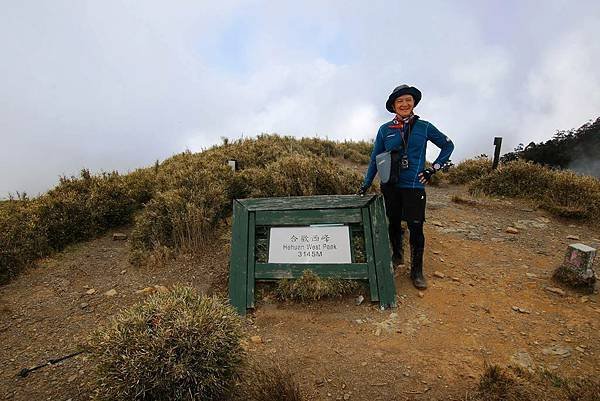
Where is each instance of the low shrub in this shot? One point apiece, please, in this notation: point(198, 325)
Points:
point(564, 193)
point(468, 170)
point(186, 215)
point(78, 208)
point(310, 287)
point(23, 239)
point(176, 345)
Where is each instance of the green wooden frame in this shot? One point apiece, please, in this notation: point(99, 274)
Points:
point(367, 211)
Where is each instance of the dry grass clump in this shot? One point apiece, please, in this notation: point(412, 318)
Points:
point(310, 287)
point(563, 193)
point(514, 384)
point(467, 171)
point(267, 381)
point(497, 384)
point(174, 346)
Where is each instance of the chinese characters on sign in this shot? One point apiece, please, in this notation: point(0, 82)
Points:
point(310, 245)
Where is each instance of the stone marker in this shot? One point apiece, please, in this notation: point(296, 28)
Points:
point(577, 268)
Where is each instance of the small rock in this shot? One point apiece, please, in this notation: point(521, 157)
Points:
point(511, 230)
point(346, 396)
point(439, 274)
point(456, 279)
point(256, 339)
point(580, 349)
point(571, 236)
point(421, 294)
point(436, 252)
point(584, 299)
point(363, 364)
point(119, 237)
point(90, 291)
point(556, 290)
point(111, 293)
point(520, 310)
point(146, 290)
point(557, 350)
point(437, 223)
point(531, 275)
point(161, 288)
point(84, 305)
point(359, 300)
point(123, 271)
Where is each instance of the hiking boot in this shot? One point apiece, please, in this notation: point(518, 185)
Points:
point(416, 269)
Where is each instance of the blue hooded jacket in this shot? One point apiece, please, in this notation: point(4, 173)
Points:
point(391, 138)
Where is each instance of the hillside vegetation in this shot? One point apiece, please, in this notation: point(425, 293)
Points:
point(179, 200)
point(561, 192)
point(176, 205)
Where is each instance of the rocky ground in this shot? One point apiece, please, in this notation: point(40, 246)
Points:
point(491, 300)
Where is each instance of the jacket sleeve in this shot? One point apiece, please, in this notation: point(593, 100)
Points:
point(378, 147)
point(441, 141)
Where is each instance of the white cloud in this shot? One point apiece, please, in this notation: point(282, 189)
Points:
point(564, 86)
point(117, 85)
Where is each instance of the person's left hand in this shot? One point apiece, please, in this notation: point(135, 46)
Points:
point(425, 175)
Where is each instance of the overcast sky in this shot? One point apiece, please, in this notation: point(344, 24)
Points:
point(119, 84)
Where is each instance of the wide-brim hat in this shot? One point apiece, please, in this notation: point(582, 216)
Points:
point(399, 91)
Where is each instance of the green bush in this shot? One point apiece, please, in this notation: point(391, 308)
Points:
point(564, 193)
point(176, 345)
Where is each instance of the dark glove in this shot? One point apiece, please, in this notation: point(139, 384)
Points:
point(362, 190)
point(425, 175)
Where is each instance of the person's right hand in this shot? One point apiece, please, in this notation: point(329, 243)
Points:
point(362, 191)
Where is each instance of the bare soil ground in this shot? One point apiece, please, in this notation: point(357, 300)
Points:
point(489, 304)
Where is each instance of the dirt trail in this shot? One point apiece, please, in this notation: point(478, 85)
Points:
point(491, 305)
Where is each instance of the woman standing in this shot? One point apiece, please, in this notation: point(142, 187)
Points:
point(401, 145)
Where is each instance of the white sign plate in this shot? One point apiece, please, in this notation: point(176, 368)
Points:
point(310, 244)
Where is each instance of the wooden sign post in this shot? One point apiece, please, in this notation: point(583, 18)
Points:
point(309, 233)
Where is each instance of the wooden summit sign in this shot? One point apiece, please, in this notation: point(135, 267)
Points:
point(343, 236)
